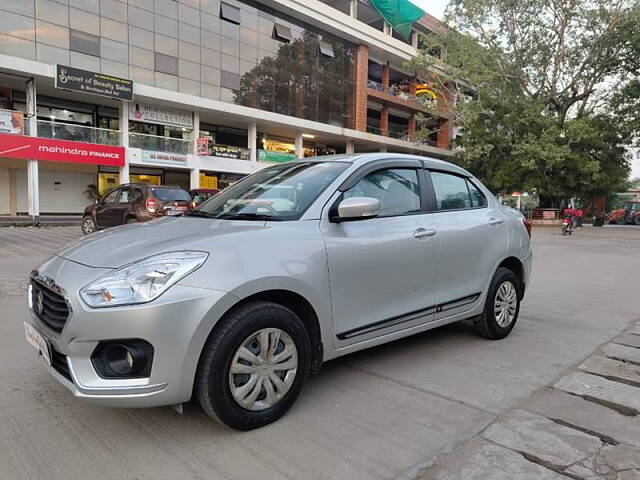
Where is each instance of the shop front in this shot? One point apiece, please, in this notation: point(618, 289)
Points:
point(67, 172)
point(155, 128)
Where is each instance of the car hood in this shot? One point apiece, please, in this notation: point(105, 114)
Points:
point(120, 246)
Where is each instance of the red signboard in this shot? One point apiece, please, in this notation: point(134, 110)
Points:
point(51, 150)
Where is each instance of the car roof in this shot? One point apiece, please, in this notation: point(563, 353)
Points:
point(363, 158)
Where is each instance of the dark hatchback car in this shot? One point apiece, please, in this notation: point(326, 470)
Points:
point(199, 195)
point(134, 202)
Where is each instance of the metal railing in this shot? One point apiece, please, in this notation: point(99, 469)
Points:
point(78, 133)
point(160, 144)
point(375, 85)
point(400, 133)
point(375, 130)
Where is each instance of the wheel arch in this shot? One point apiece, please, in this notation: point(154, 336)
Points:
point(517, 267)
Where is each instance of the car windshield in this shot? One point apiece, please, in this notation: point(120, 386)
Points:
point(171, 195)
point(283, 192)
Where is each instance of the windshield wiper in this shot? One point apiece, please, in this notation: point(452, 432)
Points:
point(247, 216)
point(199, 213)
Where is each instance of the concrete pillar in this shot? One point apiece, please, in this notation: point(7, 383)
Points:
point(384, 120)
point(252, 137)
point(383, 149)
point(350, 146)
point(360, 103)
point(386, 29)
point(411, 128)
point(33, 185)
point(124, 140)
point(13, 192)
point(385, 76)
point(195, 133)
point(353, 8)
point(194, 178)
point(298, 145)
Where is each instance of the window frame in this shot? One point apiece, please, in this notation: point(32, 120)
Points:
point(113, 190)
point(75, 34)
point(281, 33)
point(230, 18)
point(386, 164)
point(466, 178)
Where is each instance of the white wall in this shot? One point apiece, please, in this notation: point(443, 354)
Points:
point(67, 197)
point(4, 191)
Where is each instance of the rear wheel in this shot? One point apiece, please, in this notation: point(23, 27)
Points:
point(502, 306)
point(88, 225)
point(622, 221)
point(253, 366)
point(636, 219)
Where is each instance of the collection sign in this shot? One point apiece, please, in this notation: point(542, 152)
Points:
point(77, 80)
point(145, 112)
point(51, 150)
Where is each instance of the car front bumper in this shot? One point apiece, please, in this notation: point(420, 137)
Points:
point(176, 324)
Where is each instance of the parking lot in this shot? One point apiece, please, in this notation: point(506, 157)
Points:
point(401, 410)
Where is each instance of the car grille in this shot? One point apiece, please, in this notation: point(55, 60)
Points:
point(50, 307)
point(59, 363)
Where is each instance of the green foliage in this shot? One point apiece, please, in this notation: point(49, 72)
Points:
point(528, 82)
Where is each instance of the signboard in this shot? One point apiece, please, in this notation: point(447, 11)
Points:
point(11, 122)
point(148, 156)
point(202, 146)
point(51, 150)
point(145, 112)
point(77, 80)
point(278, 157)
point(228, 151)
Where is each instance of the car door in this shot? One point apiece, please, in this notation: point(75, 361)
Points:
point(382, 270)
point(473, 236)
point(106, 209)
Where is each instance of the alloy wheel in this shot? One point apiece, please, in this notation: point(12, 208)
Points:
point(505, 304)
point(263, 369)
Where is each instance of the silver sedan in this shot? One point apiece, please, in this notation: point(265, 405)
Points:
point(239, 300)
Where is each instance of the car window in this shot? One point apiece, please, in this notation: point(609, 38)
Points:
point(451, 191)
point(113, 196)
point(135, 195)
point(477, 197)
point(124, 196)
point(397, 189)
point(282, 192)
point(171, 195)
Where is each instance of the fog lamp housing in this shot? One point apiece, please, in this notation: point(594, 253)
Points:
point(122, 359)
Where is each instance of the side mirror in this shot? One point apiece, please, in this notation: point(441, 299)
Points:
point(356, 208)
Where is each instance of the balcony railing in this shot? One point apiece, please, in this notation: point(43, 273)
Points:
point(78, 133)
point(160, 144)
point(375, 85)
point(375, 130)
point(400, 133)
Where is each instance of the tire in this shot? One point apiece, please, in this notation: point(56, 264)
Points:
point(487, 325)
point(214, 377)
point(636, 220)
point(621, 221)
point(88, 225)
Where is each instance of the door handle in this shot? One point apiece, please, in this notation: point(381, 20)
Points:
point(496, 221)
point(424, 233)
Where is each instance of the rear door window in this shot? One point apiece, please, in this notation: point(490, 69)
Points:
point(477, 197)
point(451, 191)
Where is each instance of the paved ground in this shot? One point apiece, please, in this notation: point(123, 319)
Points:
point(445, 404)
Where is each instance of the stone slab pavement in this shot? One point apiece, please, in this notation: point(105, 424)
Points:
point(444, 404)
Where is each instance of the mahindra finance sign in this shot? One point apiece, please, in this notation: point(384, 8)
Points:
point(51, 150)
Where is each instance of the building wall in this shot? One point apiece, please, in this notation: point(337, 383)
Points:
point(4, 191)
point(184, 45)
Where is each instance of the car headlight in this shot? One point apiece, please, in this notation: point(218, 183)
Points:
point(141, 281)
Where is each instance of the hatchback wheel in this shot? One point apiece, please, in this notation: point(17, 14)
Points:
point(88, 225)
point(502, 306)
point(253, 366)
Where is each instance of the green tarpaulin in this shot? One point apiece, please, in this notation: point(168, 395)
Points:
point(400, 14)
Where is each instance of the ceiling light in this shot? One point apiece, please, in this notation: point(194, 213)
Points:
point(308, 135)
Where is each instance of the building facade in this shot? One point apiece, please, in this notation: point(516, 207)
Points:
point(218, 90)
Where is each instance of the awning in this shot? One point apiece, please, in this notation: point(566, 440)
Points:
point(400, 14)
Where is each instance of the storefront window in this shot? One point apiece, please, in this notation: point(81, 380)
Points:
point(218, 180)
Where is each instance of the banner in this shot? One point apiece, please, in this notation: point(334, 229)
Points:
point(50, 150)
point(202, 146)
point(277, 157)
point(145, 112)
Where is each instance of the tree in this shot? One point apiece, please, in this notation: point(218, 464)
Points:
point(527, 82)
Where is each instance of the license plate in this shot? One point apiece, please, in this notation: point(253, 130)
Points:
point(38, 342)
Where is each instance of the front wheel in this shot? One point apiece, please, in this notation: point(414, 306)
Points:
point(253, 366)
point(621, 221)
point(88, 225)
point(502, 306)
point(636, 220)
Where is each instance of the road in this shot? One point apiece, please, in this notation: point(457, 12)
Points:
point(386, 413)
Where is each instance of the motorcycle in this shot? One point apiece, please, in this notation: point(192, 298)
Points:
point(567, 225)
